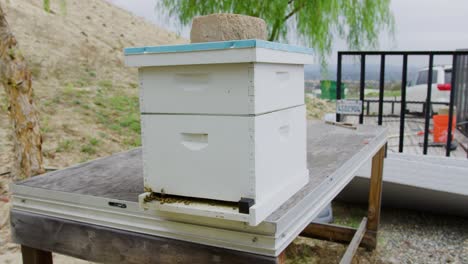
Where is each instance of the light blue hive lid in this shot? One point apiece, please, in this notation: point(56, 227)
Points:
point(221, 45)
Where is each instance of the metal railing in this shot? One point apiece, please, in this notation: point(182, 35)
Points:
point(367, 102)
point(403, 102)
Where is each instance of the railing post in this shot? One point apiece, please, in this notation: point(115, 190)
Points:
point(452, 99)
point(381, 88)
point(404, 80)
point(362, 85)
point(338, 84)
point(428, 106)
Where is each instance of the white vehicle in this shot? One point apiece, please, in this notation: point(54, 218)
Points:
point(441, 86)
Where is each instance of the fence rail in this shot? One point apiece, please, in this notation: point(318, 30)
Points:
point(403, 102)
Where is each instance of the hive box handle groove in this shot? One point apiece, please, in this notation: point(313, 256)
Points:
point(194, 141)
point(192, 82)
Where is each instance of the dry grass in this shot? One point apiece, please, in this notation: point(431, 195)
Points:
point(87, 98)
point(317, 108)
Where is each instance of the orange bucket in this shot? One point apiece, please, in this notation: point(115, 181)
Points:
point(441, 127)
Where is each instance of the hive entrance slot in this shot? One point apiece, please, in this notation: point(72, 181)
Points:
point(170, 199)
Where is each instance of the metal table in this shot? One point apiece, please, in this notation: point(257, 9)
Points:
point(90, 211)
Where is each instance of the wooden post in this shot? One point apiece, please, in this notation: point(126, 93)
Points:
point(281, 259)
point(336, 233)
point(355, 242)
point(35, 256)
point(375, 195)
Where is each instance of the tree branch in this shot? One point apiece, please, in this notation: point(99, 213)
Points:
point(274, 31)
point(295, 10)
point(276, 26)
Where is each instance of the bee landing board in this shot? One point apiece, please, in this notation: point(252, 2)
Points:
point(222, 121)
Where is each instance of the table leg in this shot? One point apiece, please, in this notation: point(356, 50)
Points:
point(281, 259)
point(375, 195)
point(35, 256)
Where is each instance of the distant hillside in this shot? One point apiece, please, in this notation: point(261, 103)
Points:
point(88, 100)
point(353, 72)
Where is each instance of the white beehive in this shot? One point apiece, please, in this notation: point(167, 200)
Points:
point(223, 121)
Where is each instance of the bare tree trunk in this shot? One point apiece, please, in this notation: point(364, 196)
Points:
point(16, 79)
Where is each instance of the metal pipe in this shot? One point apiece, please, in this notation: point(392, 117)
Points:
point(452, 99)
point(362, 85)
point(427, 110)
point(407, 102)
point(338, 84)
point(381, 88)
point(404, 77)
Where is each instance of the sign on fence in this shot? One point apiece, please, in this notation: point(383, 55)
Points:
point(349, 107)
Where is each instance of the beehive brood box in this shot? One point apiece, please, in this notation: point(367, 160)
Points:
point(223, 121)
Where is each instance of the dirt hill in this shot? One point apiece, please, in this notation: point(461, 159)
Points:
point(87, 98)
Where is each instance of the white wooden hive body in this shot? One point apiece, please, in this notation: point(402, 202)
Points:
point(221, 89)
point(227, 126)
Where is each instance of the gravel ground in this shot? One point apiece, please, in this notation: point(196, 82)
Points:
point(413, 237)
point(404, 237)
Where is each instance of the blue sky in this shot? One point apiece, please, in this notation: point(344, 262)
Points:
point(420, 24)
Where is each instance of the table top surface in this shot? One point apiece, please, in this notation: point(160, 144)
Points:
point(120, 176)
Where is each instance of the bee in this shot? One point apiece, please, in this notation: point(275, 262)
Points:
point(147, 189)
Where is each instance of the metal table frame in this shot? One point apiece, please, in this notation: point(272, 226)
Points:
point(40, 235)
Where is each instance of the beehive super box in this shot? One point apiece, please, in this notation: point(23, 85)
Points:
point(224, 121)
